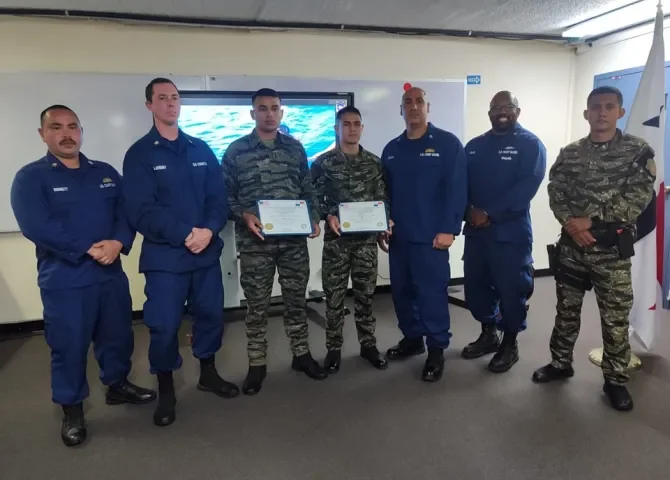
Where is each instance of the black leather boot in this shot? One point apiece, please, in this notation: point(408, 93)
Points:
point(374, 357)
point(333, 361)
point(406, 348)
point(487, 342)
point(73, 428)
point(310, 367)
point(549, 373)
point(165, 413)
point(618, 396)
point(254, 381)
point(507, 355)
point(210, 381)
point(126, 392)
point(432, 370)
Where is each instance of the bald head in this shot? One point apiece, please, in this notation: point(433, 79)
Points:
point(504, 112)
point(503, 98)
point(414, 92)
point(415, 107)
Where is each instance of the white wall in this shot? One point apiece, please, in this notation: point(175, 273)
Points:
point(617, 52)
point(539, 73)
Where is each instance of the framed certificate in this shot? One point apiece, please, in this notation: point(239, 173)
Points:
point(361, 217)
point(285, 217)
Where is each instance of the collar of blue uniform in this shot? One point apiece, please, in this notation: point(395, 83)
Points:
point(157, 139)
point(517, 127)
point(429, 131)
point(255, 140)
point(84, 162)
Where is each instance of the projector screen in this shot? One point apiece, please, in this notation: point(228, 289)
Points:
point(219, 118)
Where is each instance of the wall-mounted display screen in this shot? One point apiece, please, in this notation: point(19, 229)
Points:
point(219, 118)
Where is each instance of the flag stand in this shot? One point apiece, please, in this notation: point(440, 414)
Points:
point(596, 357)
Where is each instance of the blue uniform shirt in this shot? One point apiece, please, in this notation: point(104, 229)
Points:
point(169, 188)
point(64, 211)
point(427, 185)
point(504, 174)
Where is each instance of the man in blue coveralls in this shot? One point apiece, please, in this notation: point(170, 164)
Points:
point(426, 176)
point(506, 166)
point(176, 198)
point(71, 208)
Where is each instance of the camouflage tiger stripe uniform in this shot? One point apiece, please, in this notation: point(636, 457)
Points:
point(255, 170)
point(611, 183)
point(339, 177)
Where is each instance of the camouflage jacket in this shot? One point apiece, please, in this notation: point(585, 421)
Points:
point(611, 182)
point(339, 177)
point(253, 172)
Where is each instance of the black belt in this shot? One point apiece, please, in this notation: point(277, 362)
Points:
point(615, 236)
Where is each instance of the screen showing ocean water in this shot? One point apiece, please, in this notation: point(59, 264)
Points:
point(220, 125)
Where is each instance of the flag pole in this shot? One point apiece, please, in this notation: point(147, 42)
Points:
point(596, 355)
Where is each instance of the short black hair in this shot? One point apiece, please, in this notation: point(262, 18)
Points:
point(348, 109)
point(605, 91)
point(149, 90)
point(264, 92)
point(56, 107)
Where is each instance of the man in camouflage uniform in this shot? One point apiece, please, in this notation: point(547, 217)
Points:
point(267, 165)
point(349, 173)
point(598, 188)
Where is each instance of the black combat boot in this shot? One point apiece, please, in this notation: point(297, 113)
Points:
point(487, 342)
point(165, 414)
point(254, 381)
point(305, 363)
point(374, 357)
point(73, 428)
point(210, 381)
point(618, 396)
point(333, 361)
point(126, 392)
point(549, 373)
point(432, 370)
point(507, 354)
point(406, 348)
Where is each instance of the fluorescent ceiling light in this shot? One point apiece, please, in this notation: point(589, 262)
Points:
point(630, 15)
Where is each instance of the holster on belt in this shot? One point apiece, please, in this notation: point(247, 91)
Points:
point(607, 235)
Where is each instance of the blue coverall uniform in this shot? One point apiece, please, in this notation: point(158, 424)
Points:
point(427, 190)
point(504, 174)
point(64, 212)
point(170, 187)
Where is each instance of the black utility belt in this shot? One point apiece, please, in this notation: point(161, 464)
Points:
point(622, 238)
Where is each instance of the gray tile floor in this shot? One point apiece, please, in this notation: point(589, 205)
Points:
point(359, 424)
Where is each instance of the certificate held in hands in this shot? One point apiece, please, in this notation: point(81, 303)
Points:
point(360, 217)
point(285, 217)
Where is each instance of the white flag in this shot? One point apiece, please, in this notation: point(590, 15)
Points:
point(647, 120)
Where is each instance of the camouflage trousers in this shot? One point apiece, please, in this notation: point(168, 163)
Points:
point(257, 274)
point(342, 258)
point(612, 284)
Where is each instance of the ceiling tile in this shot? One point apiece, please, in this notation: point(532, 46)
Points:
point(503, 16)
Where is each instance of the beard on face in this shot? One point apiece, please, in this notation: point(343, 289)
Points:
point(503, 122)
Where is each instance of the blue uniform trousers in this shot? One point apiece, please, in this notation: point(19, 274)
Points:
point(420, 278)
point(73, 318)
point(167, 293)
point(498, 281)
